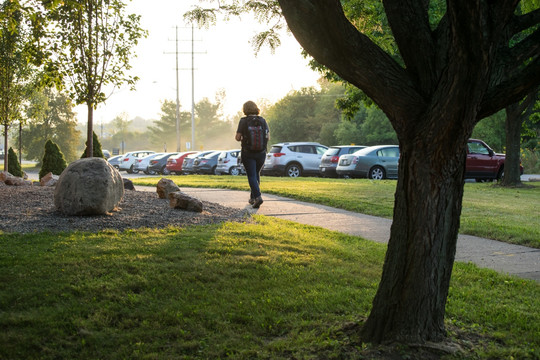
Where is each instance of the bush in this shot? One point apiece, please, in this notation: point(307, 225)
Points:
point(96, 147)
point(53, 160)
point(14, 167)
point(530, 159)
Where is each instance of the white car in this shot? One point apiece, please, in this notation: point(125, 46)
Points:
point(141, 164)
point(294, 159)
point(127, 161)
point(228, 163)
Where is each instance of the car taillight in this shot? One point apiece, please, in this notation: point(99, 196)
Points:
point(226, 161)
point(139, 160)
point(334, 159)
point(173, 161)
point(278, 154)
point(153, 162)
point(126, 159)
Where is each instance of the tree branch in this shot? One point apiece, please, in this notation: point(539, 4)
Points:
point(511, 90)
point(409, 21)
point(322, 29)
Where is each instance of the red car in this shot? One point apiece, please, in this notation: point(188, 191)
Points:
point(483, 164)
point(174, 163)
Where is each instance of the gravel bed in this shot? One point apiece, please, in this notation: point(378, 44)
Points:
point(27, 209)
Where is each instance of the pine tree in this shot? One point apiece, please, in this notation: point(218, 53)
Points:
point(53, 160)
point(14, 167)
point(96, 148)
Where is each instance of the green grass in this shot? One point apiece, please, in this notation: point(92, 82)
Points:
point(490, 211)
point(265, 289)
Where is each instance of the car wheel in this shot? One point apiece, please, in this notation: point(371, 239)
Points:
point(376, 173)
point(213, 171)
point(293, 170)
point(116, 167)
point(130, 170)
point(234, 171)
point(500, 175)
point(151, 172)
point(165, 171)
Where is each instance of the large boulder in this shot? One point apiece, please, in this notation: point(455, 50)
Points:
point(89, 186)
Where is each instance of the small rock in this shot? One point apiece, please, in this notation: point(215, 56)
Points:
point(180, 200)
point(128, 184)
point(165, 187)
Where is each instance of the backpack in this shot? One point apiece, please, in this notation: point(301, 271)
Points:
point(256, 134)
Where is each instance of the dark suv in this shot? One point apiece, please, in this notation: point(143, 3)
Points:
point(483, 164)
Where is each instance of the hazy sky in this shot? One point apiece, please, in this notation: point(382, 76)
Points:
point(224, 60)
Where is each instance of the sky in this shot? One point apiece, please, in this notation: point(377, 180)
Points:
point(224, 60)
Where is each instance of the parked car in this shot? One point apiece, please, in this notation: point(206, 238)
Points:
point(175, 163)
point(187, 166)
point(330, 159)
point(294, 159)
point(129, 159)
point(141, 164)
point(227, 163)
point(374, 162)
point(159, 163)
point(106, 154)
point(482, 163)
point(115, 161)
point(206, 164)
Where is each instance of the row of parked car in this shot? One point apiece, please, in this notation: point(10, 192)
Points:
point(295, 159)
point(189, 162)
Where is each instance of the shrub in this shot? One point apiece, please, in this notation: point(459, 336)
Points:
point(530, 159)
point(96, 147)
point(53, 160)
point(14, 167)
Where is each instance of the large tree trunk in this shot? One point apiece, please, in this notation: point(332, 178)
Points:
point(410, 302)
point(450, 79)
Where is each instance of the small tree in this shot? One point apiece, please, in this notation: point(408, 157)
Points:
point(53, 160)
point(14, 168)
point(96, 148)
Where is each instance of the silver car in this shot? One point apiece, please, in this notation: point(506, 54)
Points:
point(228, 163)
point(294, 159)
point(374, 162)
point(141, 164)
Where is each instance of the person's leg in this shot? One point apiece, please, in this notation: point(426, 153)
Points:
point(259, 163)
point(250, 164)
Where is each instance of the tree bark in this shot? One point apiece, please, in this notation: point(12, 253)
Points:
point(6, 127)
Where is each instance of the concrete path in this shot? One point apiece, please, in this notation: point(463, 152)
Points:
point(505, 258)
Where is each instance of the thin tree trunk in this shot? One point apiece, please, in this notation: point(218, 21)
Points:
point(512, 175)
point(410, 302)
point(90, 133)
point(6, 157)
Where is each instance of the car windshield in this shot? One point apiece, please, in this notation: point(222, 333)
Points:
point(332, 151)
point(212, 154)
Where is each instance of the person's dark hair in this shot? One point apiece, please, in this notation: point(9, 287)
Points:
point(250, 108)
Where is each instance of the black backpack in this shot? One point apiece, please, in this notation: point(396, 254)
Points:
point(256, 134)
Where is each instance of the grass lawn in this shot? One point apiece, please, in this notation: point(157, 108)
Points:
point(490, 211)
point(264, 289)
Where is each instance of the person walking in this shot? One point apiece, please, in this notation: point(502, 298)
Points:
point(253, 132)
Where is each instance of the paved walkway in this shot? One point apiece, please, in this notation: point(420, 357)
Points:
point(506, 258)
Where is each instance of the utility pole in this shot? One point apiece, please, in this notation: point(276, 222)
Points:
point(178, 143)
point(192, 89)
